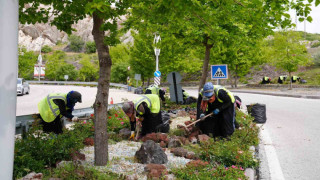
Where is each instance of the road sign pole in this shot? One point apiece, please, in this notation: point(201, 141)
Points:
point(157, 63)
point(8, 80)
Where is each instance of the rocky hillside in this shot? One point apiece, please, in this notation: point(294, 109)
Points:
point(33, 36)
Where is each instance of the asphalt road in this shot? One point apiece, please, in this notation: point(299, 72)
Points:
point(292, 125)
point(27, 104)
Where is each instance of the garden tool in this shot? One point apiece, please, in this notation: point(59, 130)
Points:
point(198, 120)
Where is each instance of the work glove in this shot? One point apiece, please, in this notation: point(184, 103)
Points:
point(75, 118)
point(132, 135)
point(202, 116)
point(216, 111)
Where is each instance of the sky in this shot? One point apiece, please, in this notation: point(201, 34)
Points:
point(314, 26)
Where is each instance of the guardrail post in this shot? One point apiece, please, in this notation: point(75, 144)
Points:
point(8, 83)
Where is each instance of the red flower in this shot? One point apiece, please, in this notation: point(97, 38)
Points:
point(91, 115)
point(109, 117)
point(116, 115)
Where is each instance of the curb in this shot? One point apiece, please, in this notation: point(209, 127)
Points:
point(278, 94)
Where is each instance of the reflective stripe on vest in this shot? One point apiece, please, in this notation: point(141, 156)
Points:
point(152, 100)
point(228, 92)
point(266, 78)
point(48, 109)
point(281, 78)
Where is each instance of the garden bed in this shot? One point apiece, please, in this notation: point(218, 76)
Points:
point(220, 159)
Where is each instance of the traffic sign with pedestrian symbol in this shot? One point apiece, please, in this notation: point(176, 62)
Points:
point(219, 71)
point(157, 73)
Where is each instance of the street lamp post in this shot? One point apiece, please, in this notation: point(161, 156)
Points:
point(157, 73)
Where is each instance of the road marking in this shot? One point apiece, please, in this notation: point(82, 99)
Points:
point(272, 158)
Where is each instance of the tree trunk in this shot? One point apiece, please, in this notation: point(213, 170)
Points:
point(290, 87)
point(205, 66)
point(148, 82)
point(101, 103)
point(235, 78)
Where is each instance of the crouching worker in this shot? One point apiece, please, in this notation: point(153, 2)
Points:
point(154, 89)
point(220, 102)
point(266, 80)
point(56, 105)
point(187, 99)
point(145, 112)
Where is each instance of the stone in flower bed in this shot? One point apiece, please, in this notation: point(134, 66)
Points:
point(156, 137)
point(197, 163)
point(155, 170)
point(88, 141)
point(151, 152)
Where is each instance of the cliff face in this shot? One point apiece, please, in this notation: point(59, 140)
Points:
point(30, 35)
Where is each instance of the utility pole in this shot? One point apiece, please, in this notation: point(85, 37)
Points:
point(8, 81)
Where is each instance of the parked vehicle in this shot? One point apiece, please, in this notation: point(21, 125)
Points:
point(22, 87)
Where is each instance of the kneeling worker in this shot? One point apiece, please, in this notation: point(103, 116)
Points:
point(154, 89)
point(147, 109)
point(220, 102)
point(56, 105)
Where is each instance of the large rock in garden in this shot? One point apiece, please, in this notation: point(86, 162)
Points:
point(155, 171)
point(125, 133)
point(151, 152)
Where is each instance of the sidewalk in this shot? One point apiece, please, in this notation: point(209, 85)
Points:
point(307, 93)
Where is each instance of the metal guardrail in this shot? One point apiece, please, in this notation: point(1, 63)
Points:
point(74, 83)
point(24, 122)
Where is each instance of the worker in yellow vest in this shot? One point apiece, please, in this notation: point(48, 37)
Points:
point(219, 101)
point(154, 89)
point(145, 110)
point(56, 105)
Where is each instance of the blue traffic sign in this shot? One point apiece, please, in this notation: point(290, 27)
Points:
point(157, 73)
point(219, 71)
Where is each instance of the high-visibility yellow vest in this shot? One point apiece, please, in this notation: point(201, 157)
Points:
point(266, 78)
point(154, 90)
point(281, 78)
point(216, 91)
point(48, 109)
point(186, 94)
point(294, 78)
point(152, 100)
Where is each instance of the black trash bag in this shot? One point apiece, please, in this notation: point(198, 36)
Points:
point(258, 111)
point(164, 127)
point(190, 100)
point(138, 90)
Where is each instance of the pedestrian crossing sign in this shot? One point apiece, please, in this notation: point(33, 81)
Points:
point(219, 71)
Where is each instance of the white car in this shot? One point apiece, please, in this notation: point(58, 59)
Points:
point(22, 87)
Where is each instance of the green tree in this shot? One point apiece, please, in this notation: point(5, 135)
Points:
point(120, 56)
point(105, 14)
point(76, 44)
point(53, 64)
point(27, 60)
point(288, 53)
point(88, 71)
point(207, 23)
point(67, 69)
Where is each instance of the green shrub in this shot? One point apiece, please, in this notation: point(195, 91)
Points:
point(67, 69)
point(91, 47)
point(46, 49)
point(77, 171)
point(314, 45)
point(119, 72)
point(210, 172)
point(39, 150)
point(76, 44)
point(316, 58)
